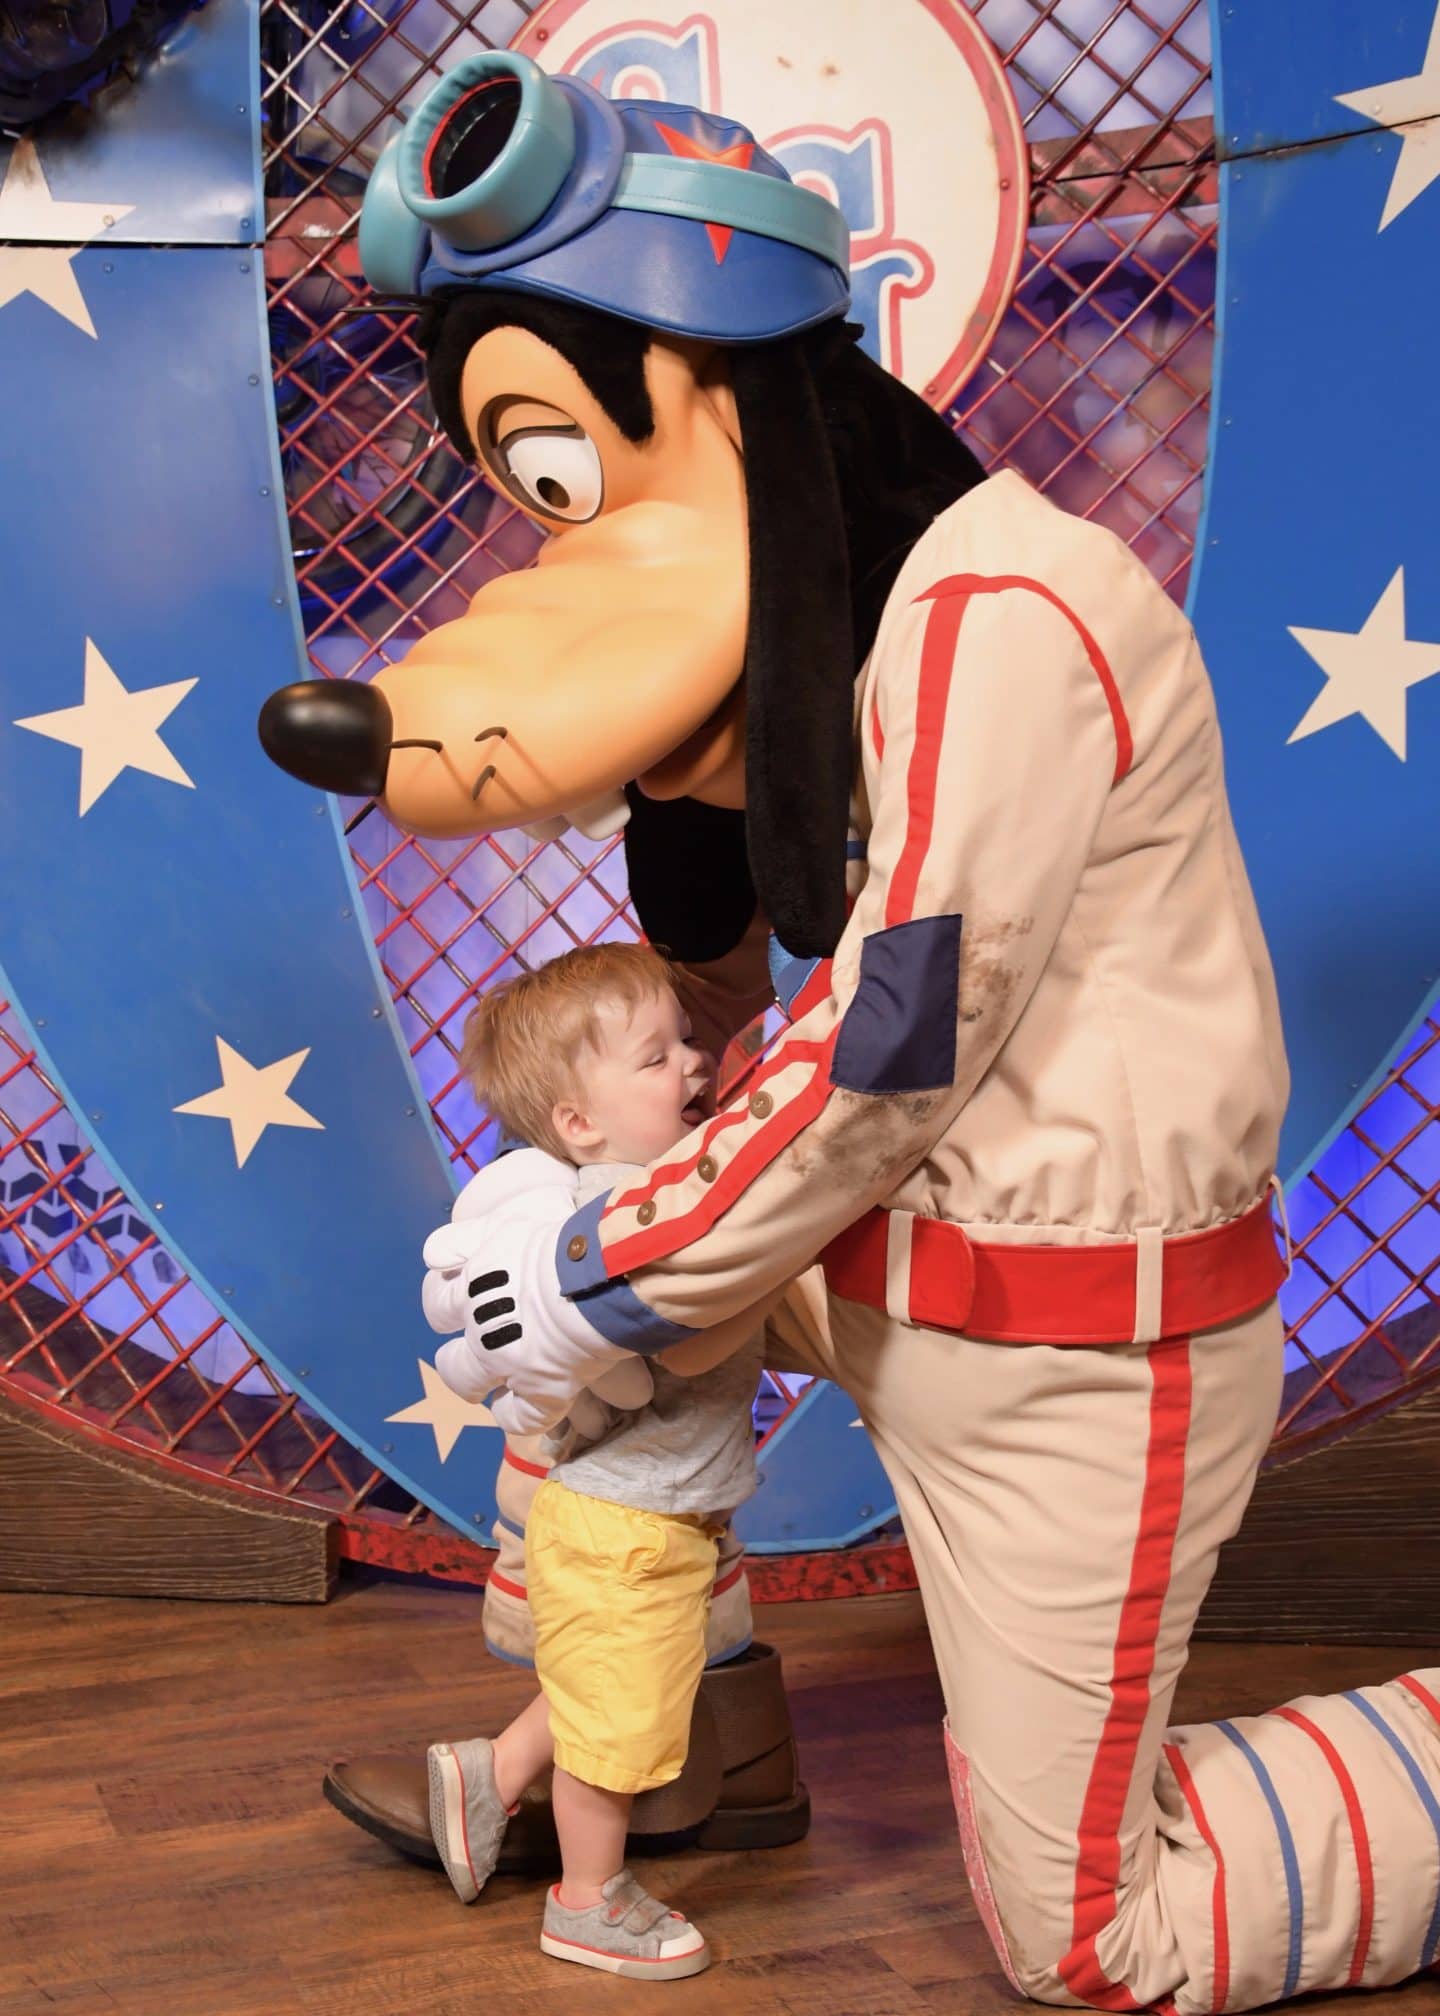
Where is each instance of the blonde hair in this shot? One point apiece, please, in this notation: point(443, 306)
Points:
point(522, 1039)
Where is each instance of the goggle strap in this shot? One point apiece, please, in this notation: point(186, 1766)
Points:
point(711, 193)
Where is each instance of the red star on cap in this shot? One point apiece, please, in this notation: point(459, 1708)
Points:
point(738, 156)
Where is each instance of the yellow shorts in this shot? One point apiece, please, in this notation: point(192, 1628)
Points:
point(619, 1600)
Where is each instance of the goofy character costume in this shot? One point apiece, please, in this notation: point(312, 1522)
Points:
point(958, 752)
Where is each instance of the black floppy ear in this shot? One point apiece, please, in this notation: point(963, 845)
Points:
point(799, 658)
point(689, 878)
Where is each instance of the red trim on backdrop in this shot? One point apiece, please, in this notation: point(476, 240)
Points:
point(755, 1155)
point(937, 659)
point(1359, 1835)
point(879, 1568)
point(1097, 1868)
point(802, 1050)
point(999, 584)
point(1220, 1916)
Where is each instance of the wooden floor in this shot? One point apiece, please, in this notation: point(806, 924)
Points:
point(164, 1850)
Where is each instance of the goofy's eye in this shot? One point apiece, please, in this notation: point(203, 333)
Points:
point(556, 471)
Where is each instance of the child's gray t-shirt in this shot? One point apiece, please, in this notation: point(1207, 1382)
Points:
point(691, 1448)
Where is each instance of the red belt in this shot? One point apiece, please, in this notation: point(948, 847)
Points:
point(925, 1271)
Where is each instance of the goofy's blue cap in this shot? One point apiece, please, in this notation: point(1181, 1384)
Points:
point(661, 214)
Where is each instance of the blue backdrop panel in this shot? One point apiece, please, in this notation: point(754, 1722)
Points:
point(1280, 68)
point(182, 153)
point(1324, 418)
point(172, 914)
point(822, 1483)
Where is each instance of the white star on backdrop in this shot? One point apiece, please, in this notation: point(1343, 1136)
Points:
point(1402, 100)
point(114, 729)
point(252, 1097)
point(1368, 671)
point(28, 210)
point(444, 1412)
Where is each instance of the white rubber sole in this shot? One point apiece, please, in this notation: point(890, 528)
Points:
point(447, 1819)
point(676, 1968)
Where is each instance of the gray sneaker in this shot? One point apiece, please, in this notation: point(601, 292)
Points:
point(628, 1932)
point(467, 1817)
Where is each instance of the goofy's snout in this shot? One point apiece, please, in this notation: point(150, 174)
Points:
point(330, 733)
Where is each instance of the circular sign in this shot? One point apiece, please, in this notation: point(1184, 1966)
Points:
point(914, 132)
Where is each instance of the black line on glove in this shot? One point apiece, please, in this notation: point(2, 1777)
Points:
point(484, 1282)
point(504, 1307)
point(508, 1333)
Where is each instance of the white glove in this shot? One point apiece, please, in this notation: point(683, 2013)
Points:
point(519, 1331)
point(520, 1174)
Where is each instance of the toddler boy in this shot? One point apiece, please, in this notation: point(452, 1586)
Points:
point(591, 1059)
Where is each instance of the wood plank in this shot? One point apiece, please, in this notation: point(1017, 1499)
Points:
point(166, 1848)
point(79, 1516)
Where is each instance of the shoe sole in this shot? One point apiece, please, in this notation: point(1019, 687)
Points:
point(731, 1828)
point(726, 1831)
point(447, 1820)
point(678, 1969)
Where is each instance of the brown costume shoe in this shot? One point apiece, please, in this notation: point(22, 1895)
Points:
point(739, 1789)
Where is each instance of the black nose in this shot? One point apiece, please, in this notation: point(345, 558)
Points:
point(331, 733)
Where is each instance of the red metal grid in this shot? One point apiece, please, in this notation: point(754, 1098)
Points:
point(1096, 388)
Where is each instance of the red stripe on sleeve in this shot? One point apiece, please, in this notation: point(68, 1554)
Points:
point(801, 1050)
point(1220, 1916)
point(1359, 1835)
point(756, 1155)
point(877, 733)
point(816, 988)
point(1097, 1869)
point(937, 658)
point(997, 584)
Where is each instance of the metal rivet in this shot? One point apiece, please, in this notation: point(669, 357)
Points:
point(109, 266)
point(646, 1213)
point(375, 1014)
point(409, 1112)
point(303, 1373)
point(278, 600)
point(39, 1021)
point(579, 1246)
point(760, 1104)
point(159, 1207)
point(264, 489)
point(108, 222)
point(246, 224)
point(241, 110)
point(707, 1168)
point(227, 1292)
point(387, 1448)
point(244, 265)
point(866, 1512)
point(97, 1116)
point(254, 378)
point(477, 1518)
point(319, 811)
point(346, 911)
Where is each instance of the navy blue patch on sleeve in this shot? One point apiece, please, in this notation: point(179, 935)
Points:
point(898, 1034)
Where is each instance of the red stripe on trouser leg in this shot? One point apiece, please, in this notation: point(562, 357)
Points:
point(1219, 1911)
point(1422, 1694)
point(974, 1856)
point(1359, 1834)
point(1097, 1869)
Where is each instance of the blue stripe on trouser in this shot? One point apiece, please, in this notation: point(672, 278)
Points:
point(1423, 1793)
point(1288, 1856)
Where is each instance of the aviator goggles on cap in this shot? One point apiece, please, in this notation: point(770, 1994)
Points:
point(508, 176)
